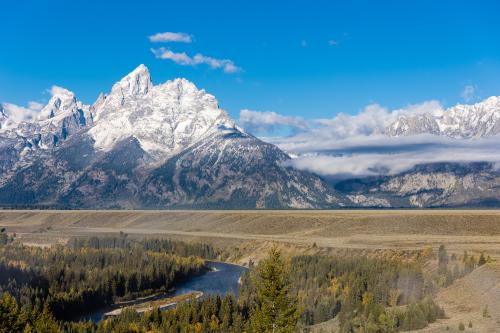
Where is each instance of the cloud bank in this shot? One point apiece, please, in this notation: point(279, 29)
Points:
point(382, 155)
point(355, 146)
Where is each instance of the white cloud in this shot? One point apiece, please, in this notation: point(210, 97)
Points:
point(372, 119)
point(180, 58)
point(391, 156)
point(227, 65)
point(179, 37)
point(432, 107)
point(268, 122)
point(311, 134)
point(35, 106)
point(333, 42)
point(183, 59)
point(17, 113)
point(469, 93)
point(56, 90)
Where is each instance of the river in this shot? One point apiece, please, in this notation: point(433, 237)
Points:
point(221, 279)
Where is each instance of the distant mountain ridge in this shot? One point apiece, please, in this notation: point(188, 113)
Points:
point(460, 121)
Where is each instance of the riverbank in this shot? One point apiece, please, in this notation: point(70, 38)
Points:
point(162, 304)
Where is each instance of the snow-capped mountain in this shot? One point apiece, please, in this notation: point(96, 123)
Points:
point(165, 119)
point(148, 146)
point(461, 121)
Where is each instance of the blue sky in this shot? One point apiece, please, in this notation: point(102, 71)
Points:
point(311, 59)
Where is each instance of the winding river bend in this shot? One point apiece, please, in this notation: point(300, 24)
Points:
point(223, 278)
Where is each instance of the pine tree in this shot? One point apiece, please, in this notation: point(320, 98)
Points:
point(275, 310)
point(10, 315)
point(45, 323)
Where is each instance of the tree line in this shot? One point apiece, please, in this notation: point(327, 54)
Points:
point(180, 248)
point(70, 281)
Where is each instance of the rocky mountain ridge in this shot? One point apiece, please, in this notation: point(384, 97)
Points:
point(460, 121)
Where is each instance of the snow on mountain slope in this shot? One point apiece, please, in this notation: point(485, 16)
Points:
point(461, 121)
point(63, 116)
point(3, 116)
point(165, 118)
point(236, 168)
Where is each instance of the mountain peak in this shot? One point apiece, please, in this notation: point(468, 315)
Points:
point(164, 118)
point(62, 100)
point(180, 87)
point(136, 83)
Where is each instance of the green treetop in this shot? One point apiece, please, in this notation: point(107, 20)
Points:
point(275, 311)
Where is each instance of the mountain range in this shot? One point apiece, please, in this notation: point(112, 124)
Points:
point(147, 146)
point(172, 146)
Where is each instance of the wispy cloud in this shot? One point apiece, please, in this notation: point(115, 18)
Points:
point(333, 42)
point(179, 37)
point(35, 106)
point(184, 59)
point(180, 58)
point(303, 43)
point(267, 122)
point(469, 93)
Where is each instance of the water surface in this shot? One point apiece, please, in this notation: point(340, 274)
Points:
point(223, 278)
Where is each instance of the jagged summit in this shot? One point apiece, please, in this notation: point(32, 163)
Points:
point(163, 118)
point(460, 121)
point(136, 83)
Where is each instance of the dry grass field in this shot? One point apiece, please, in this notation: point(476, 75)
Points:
point(252, 232)
point(474, 230)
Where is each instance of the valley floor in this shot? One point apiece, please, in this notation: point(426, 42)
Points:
point(370, 232)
